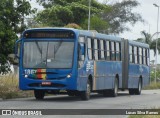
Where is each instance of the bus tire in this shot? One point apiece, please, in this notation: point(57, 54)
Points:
point(85, 95)
point(136, 91)
point(114, 91)
point(139, 89)
point(39, 94)
point(106, 93)
point(131, 91)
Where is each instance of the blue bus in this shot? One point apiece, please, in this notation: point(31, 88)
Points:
point(78, 62)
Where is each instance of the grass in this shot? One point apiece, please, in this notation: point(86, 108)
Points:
point(144, 116)
point(9, 88)
point(153, 85)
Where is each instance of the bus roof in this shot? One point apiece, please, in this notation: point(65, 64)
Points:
point(136, 43)
point(80, 32)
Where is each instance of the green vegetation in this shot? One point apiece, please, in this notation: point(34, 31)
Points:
point(148, 39)
point(144, 116)
point(9, 88)
point(105, 18)
point(12, 22)
point(153, 85)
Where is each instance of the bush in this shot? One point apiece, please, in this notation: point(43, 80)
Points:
point(9, 88)
point(153, 85)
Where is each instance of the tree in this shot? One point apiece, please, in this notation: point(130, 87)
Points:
point(97, 24)
point(113, 17)
point(63, 12)
point(152, 43)
point(11, 15)
point(73, 25)
point(147, 37)
point(120, 14)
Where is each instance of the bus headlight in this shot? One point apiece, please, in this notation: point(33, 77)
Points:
point(69, 76)
point(25, 76)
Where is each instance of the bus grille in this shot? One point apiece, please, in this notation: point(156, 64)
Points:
point(52, 85)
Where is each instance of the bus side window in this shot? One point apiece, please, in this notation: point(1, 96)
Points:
point(102, 50)
point(89, 44)
point(135, 55)
point(112, 51)
point(92, 47)
point(95, 49)
point(144, 56)
point(131, 54)
point(118, 51)
point(140, 55)
point(99, 49)
point(147, 57)
point(105, 49)
point(108, 50)
point(81, 51)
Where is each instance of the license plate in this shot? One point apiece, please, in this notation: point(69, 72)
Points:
point(46, 83)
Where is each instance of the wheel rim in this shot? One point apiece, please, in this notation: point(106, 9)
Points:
point(139, 87)
point(116, 87)
point(88, 89)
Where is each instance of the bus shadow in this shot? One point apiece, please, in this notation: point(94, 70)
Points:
point(66, 98)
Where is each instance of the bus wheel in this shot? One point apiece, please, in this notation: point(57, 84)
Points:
point(39, 94)
point(85, 95)
point(114, 92)
point(131, 91)
point(106, 93)
point(138, 90)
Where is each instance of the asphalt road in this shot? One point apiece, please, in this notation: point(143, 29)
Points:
point(147, 100)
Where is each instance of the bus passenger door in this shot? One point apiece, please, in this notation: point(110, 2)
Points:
point(81, 54)
point(81, 80)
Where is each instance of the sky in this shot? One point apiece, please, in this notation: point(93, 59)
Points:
point(148, 12)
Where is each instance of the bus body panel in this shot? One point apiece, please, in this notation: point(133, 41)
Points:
point(132, 72)
point(106, 73)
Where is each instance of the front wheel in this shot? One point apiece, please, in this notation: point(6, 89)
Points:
point(85, 95)
point(39, 94)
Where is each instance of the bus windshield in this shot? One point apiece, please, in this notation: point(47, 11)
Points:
point(48, 54)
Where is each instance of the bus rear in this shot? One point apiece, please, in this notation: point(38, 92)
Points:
point(47, 61)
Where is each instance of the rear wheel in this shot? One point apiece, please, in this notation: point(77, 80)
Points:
point(136, 91)
point(139, 89)
point(85, 95)
point(39, 94)
point(131, 91)
point(113, 92)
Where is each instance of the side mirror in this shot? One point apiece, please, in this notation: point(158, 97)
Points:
point(16, 48)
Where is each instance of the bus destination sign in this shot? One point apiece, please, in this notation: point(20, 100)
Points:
point(48, 34)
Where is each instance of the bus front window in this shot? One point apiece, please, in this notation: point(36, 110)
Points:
point(38, 54)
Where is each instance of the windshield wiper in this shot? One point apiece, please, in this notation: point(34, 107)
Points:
point(40, 50)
